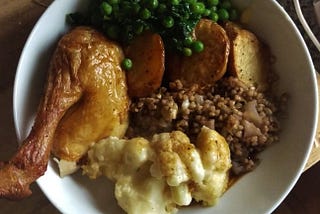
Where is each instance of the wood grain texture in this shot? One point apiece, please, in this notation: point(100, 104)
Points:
point(17, 18)
point(305, 196)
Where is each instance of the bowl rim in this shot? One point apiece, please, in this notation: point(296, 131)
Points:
point(276, 4)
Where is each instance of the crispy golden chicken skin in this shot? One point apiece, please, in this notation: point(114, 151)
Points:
point(84, 71)
point(207, 66)
point(102, 110)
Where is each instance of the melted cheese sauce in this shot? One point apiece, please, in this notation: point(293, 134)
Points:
point(160, 175)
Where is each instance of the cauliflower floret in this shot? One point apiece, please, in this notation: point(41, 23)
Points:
point(178, 159)
point(127, 163)
point(215, 155)
point(142, 193)
point(156, 176)
point(115, 157)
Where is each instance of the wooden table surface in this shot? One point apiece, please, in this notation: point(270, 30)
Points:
point(17, 18)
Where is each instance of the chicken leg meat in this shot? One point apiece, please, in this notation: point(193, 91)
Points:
point(81, 54)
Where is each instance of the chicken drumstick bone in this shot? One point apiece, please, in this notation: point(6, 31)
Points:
point(80, 64)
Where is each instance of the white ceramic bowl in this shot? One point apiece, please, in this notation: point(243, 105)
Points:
point(258, 192)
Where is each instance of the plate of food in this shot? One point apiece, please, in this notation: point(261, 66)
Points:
point(162, 107)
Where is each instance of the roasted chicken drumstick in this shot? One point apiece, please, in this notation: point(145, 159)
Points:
point(30, 162)
point(82, 55)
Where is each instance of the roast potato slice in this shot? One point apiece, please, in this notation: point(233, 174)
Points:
point(249, 58)
point(147, 54)
point(207, 66)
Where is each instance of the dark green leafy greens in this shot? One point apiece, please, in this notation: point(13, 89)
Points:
point(174, 20)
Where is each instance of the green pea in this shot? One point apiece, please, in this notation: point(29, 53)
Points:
point(187, 51)
point(191, 1)
point(106, 8)
point(213, 9)
point(145, 13)
point(207, 12)
point(223, 14)
point(126, 64)
point(233, 13)
point(214, 16)
point(162, 8)
point(212, 2)
point(168, 22)
point(197, 46)
point(198, 8)
point(188, 41)
point(174, 2)
point(152, 4)
point(112, 31)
